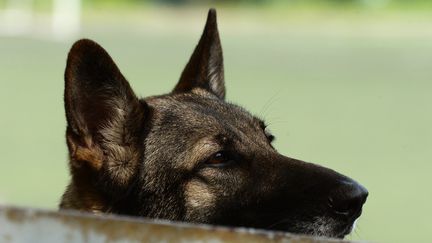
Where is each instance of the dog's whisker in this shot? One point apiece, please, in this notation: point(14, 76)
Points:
point(269, 103)
point(272, 226)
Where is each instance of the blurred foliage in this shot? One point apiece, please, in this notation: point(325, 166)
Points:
point(294, 2)
point(419, 4)
point(278, 1)
point(401, 5)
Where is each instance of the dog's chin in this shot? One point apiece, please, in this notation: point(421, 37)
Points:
point(320, 227)
point(344, 232)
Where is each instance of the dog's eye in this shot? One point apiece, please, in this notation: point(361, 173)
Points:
point(219, 159)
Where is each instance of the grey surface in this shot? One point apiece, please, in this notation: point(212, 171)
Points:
point(32, 225)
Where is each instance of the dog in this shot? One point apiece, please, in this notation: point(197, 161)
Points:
point(189, 155)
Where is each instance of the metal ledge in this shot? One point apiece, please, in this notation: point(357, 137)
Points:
point(33, 225)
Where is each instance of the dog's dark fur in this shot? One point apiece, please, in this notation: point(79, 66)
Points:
point(189, 155)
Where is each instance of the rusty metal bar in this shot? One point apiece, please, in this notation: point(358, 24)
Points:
point(31, 225)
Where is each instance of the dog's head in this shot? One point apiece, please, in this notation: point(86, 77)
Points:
point(189, 155)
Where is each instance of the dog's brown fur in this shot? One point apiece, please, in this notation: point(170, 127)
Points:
point(189, 155)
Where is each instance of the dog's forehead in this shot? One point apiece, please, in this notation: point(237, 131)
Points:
point(194, 110)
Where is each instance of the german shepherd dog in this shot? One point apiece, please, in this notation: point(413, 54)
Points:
point(189, 155)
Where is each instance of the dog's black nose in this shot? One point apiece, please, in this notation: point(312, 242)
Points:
point(347, 199)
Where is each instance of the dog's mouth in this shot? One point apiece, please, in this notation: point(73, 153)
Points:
point(319, 226)
point(346, 231)
point(313, 222)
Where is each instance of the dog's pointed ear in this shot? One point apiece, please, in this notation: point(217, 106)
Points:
point(205, 68)
point(103, 114)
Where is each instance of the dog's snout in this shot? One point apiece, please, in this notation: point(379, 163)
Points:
point(347, 199)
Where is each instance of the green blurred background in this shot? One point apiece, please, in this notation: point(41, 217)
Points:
point(346, 84)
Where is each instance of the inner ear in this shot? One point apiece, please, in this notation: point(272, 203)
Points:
point(95, 90)
point(103, 114)
point(205, 67)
